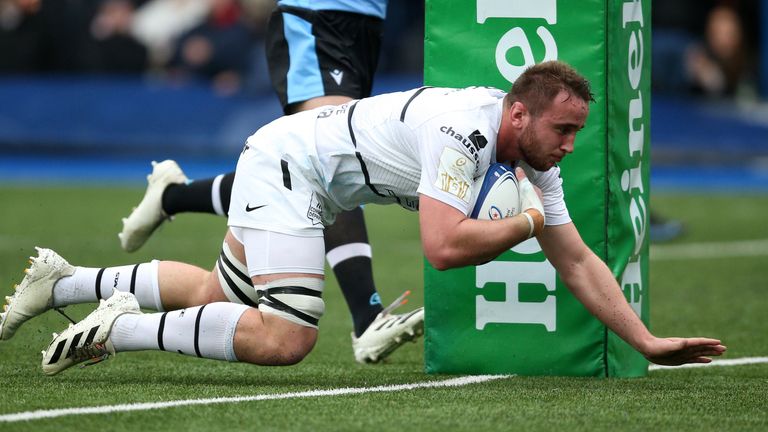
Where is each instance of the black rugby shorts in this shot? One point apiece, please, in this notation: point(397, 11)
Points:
point(321, 53)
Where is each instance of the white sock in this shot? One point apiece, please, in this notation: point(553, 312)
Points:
point(204, 331)
point(218, 206)
point(347, 251)
point(88, 285)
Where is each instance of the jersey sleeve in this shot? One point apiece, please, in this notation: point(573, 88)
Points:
point(449, 159)
point(551, 185)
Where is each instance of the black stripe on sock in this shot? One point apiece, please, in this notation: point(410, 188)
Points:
point(286, 174)
point(197, 330)
point(160, 332)
point(98, 283)
point(133, 278)
point(405, 107)
point(233, 286)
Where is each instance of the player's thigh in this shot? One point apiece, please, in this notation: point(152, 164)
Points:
point(286, 271)
point(271, 256)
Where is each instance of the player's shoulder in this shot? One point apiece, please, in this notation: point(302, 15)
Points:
point(468, 104)
point(467, 97)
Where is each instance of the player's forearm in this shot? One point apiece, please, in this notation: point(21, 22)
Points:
point(471, 241)
point(594, 285)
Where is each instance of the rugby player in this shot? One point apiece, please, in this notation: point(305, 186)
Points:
point(318, 53)
point(421, 149)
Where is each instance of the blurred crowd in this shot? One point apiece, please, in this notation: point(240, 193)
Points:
point(221, 41)
point(706, 48)
point(703, 48)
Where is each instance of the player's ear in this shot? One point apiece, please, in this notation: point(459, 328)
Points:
point(517, 114)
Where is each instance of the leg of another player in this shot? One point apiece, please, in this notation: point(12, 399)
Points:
point(210, 195)
point(349, 255)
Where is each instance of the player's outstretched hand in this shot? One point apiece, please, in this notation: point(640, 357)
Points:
point(678, 351)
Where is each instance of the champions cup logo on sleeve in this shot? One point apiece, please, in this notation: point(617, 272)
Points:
point(454, 175)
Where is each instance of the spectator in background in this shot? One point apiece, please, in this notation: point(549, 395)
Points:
point(721, 66)
point(704, 48)
point(19, 35)
point(700, 48)
point(41, 36)
point(117, 49)
point(159, 23)
point(73, 36)
point(218, 49)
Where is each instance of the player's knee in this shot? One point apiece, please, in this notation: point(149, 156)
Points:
point(291, 347)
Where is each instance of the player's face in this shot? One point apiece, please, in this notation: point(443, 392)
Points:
point(546, 139)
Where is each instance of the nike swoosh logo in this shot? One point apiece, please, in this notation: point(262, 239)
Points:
point(248, 207)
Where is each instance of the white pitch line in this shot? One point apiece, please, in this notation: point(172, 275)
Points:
point(453, 382)
point(705, 250)
point(725, 362)
point(41, 414)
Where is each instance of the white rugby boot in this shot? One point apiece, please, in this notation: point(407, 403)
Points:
point(388, 332)
point(34, 295)
point(149, 214)
point(88, 339)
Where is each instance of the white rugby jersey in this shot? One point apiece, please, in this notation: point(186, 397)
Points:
point(390, 148)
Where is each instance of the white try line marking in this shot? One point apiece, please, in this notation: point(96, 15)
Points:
point(742, 248)
point(453, 382)
point(41, 414)
point(725, 362)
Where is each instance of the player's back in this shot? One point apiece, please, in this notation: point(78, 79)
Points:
point(372, 150)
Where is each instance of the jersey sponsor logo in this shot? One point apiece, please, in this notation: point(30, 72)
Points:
point(477, 139)
point(474, 142)
point(315, 210)
point(454, 174)
point(337, 76)
point(248, 207)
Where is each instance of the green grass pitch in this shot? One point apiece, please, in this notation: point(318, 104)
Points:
point(722, 296)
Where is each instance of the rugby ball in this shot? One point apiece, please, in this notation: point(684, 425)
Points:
point(495, 195)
